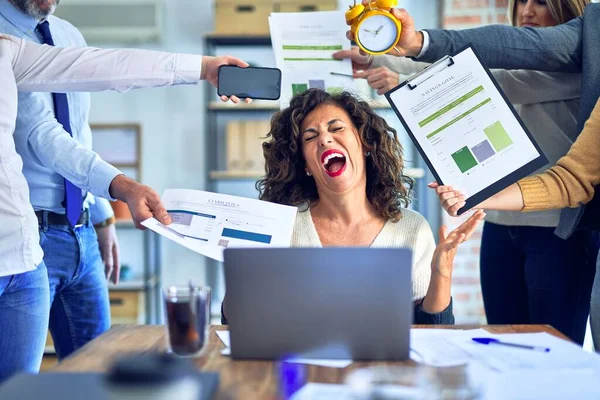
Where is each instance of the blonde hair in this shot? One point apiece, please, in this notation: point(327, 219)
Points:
point(562, 10)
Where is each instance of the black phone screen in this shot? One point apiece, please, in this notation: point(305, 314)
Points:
point(253, 82)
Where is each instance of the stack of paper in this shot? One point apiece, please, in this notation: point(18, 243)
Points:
point(547, 384)
point(431, 347)
point(502, 372)
point(304, 44)
point(562, 354)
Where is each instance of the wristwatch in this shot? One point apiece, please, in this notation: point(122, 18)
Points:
point(106, 222)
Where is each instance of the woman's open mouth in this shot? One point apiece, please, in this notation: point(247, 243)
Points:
point(334, 162)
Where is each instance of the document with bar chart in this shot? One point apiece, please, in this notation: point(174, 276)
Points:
point(207, 222)
point(303, 44)
point(464, 127)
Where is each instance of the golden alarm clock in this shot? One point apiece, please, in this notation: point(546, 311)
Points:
point(376, 30)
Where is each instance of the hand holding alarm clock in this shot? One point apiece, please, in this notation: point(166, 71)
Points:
point(375, 29)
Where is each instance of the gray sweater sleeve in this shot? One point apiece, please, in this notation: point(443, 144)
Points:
point(422, 317)
point(555, 49)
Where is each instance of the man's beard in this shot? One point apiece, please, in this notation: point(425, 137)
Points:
point(38, 9)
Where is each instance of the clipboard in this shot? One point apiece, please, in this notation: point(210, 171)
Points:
point(453, 130)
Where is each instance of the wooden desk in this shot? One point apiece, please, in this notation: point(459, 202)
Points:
point(239, 379)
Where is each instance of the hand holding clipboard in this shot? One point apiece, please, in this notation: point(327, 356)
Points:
point(465, 129)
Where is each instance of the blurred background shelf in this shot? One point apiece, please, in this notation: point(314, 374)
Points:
point(256, 105)
point(221, 39)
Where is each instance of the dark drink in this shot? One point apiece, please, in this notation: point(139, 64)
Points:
point(187, 320)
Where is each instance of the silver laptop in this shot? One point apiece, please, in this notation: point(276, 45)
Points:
point(328, 303)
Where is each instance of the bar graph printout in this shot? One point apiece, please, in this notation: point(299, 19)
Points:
point(303, 44)
point(463, 126)
point(207, 222)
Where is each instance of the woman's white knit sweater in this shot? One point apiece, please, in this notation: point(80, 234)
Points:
point(412, 231)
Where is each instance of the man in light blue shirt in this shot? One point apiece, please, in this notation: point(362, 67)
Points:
point(79, 259)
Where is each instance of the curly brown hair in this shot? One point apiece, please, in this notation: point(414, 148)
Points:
point(285, 181)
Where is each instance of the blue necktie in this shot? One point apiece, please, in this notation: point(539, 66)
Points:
point(73, 196)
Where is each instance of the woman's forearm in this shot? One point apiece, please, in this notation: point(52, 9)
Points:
point(573, 179)
point(437, 298)
point(510, 199)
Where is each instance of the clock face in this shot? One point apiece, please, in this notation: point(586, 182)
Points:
point(377, 33)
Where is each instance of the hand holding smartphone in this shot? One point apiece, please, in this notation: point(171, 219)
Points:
point(251, 82)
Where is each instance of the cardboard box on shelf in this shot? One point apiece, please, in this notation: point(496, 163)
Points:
point(235, 146)
point(127, 307)
point(250, 17)
point(307, 5)
point(254, 136)
point(244, 141)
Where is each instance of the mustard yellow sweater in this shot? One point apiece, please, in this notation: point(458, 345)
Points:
point(571, 181)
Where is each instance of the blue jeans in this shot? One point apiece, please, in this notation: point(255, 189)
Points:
point(79, 310)
point(595, 308)
point(531, 276)
point(24, 309)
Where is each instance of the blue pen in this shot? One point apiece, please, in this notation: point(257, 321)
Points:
point(520, 346)
point(292, 377)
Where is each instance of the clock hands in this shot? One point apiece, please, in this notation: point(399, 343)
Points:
point(376, 32)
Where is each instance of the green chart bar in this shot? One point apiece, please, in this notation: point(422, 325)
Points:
point(498, 136)
point(464, 159)
point(298, 88)
point(334, 90)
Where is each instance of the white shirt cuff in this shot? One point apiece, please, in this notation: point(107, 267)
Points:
point(102, 176)
point(188, 69)
point(426, 41)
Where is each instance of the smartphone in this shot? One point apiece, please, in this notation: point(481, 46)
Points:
point(252, 82)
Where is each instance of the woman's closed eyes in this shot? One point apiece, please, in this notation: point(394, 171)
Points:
point(310, 134)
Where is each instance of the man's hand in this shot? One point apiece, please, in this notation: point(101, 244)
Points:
point(381, 79)
point(210, 71)
point(360, 61)
point(109, 250)
point(411, 41)
point(142, 200)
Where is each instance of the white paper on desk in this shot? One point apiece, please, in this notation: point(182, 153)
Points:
point(323, 391)
point(558, 384)
point(562, 354)
point(225, 338)
point(433, 347)
point(328, 391)
point(303, 44)
point(207, 222)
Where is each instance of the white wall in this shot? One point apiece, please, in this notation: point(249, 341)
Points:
point(173, 123)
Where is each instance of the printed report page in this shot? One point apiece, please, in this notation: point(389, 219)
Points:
point(208, 223)
point(464, 126)
point(303, 44)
